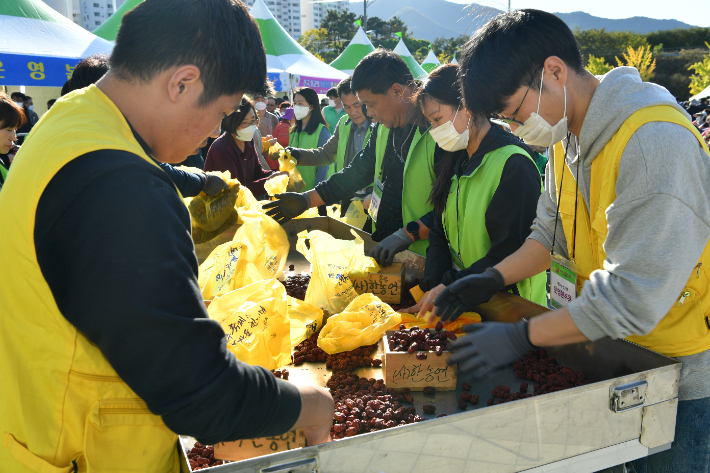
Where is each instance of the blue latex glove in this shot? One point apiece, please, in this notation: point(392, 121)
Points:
point(489, 346)
point(467, 293)
point(386, 250)
point(289, 205)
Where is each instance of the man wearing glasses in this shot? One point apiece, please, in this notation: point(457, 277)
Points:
point(623, 224)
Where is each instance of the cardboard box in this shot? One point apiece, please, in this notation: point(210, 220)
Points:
point(245, 449)
point(404, 370)
point(387, 284)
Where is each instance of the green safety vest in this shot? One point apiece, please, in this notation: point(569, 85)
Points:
point(464, 218)
point(343, 137)
point(306, 141)
point(419, 178)
point(3, 173)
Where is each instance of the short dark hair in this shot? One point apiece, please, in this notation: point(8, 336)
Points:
point(231, 123)
point(506, 54)
point(50, 102)
point(332, 93)
point(87, 72)
point(443, 86)
point(316, 119)
point(283, 105)
point(344, 88)
point(19, 95)
point(380, 70)
point(217, 36)
point(11, 114)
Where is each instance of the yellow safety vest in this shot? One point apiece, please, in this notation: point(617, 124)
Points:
point(63, 408)
point(685, 329)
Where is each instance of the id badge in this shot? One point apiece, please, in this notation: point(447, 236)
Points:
point(563, 281)
point(376, 198)
point(456, 262)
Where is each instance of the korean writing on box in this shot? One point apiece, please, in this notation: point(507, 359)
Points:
point(37, 69)
point(420, 374)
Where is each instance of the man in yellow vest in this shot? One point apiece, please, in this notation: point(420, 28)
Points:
point(106, 349)
point(625, 212)
point(400, 159)
point(352, 132)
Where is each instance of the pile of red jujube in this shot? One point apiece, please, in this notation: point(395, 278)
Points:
point(308, 350)
point(367, 405)
point(548, 375)
point(297, 285)
point(415, 340)
point(201, 457)
point(350, 360)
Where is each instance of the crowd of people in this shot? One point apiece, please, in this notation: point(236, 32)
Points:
point(466, 168)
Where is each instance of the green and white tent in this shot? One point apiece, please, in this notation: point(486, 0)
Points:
point(109, 28)
point(287, 61)
point(453, 60)
point(39, 46)
point(431, 62)
point(359, 47)
point(413, 65)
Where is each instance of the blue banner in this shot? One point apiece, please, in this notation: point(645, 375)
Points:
point(19, 70)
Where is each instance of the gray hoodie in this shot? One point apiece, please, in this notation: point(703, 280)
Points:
point(659, 223)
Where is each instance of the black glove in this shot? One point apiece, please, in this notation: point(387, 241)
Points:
point(489, 346)
point(289, 205)
point(214, 185)
point(386, 250)
point(467, 293)
point(449, 277)
point(295, 153)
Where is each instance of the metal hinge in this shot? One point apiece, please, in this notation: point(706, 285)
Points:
point(628, 396)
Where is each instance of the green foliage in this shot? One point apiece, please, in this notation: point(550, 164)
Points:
point(598, 66)
point(689, 38)
point(701, 79)
point(607, 44)
point(314, 41)
point(640, 58)
point(446, 47)
point(340, 28)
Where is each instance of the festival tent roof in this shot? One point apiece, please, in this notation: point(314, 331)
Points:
point(359, 47)
point(39, 46)
point(109, 28)
point(453, 61)
point(431, 62)
point(413, 65)
point(285, 55)
point(704, 93)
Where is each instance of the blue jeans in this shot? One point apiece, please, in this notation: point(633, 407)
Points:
point(691, 448)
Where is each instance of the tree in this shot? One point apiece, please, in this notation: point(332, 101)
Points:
point(314, 41)
point(607, 44)
point(447, 47)
point(340, 28)
point(641, 59)
point(598, 66)
point(701, 79)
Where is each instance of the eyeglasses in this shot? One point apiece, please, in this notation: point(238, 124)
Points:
point(254, 122)
point(509, 121)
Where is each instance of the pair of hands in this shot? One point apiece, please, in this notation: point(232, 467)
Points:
point(488, 346)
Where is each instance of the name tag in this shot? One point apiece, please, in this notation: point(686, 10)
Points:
point(563, 281)
point(376, 198)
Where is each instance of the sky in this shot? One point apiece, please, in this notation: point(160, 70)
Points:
point(693, 12)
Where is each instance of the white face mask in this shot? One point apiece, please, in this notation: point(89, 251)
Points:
point(31, 107)
point(331, 102)
point(448, 138)
point(246, 134)
point(536, 131)
point(21, 104)
point(260, 106)
point(300, 111)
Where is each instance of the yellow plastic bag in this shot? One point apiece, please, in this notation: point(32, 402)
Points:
point(276, 185)
point(275, 151)
point(295, 181)
point(257, 252)
point(333, 262)
point(202, 236)
point(363, 322)
point(354, 216)
point(209, 212)
point(246, 201)
point(310, 213)
point(256, 323)
point(306, 319)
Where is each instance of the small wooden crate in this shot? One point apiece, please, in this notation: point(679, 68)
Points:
point(404, 370)
point(245, 449)
point(387, 284)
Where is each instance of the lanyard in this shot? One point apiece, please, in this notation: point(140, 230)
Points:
point(559, 198)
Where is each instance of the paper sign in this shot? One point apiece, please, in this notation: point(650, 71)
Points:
point(244, 449)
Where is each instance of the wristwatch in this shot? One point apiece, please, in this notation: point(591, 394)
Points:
point(413, 228)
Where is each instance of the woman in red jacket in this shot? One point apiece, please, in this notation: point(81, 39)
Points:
point(235, 151)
